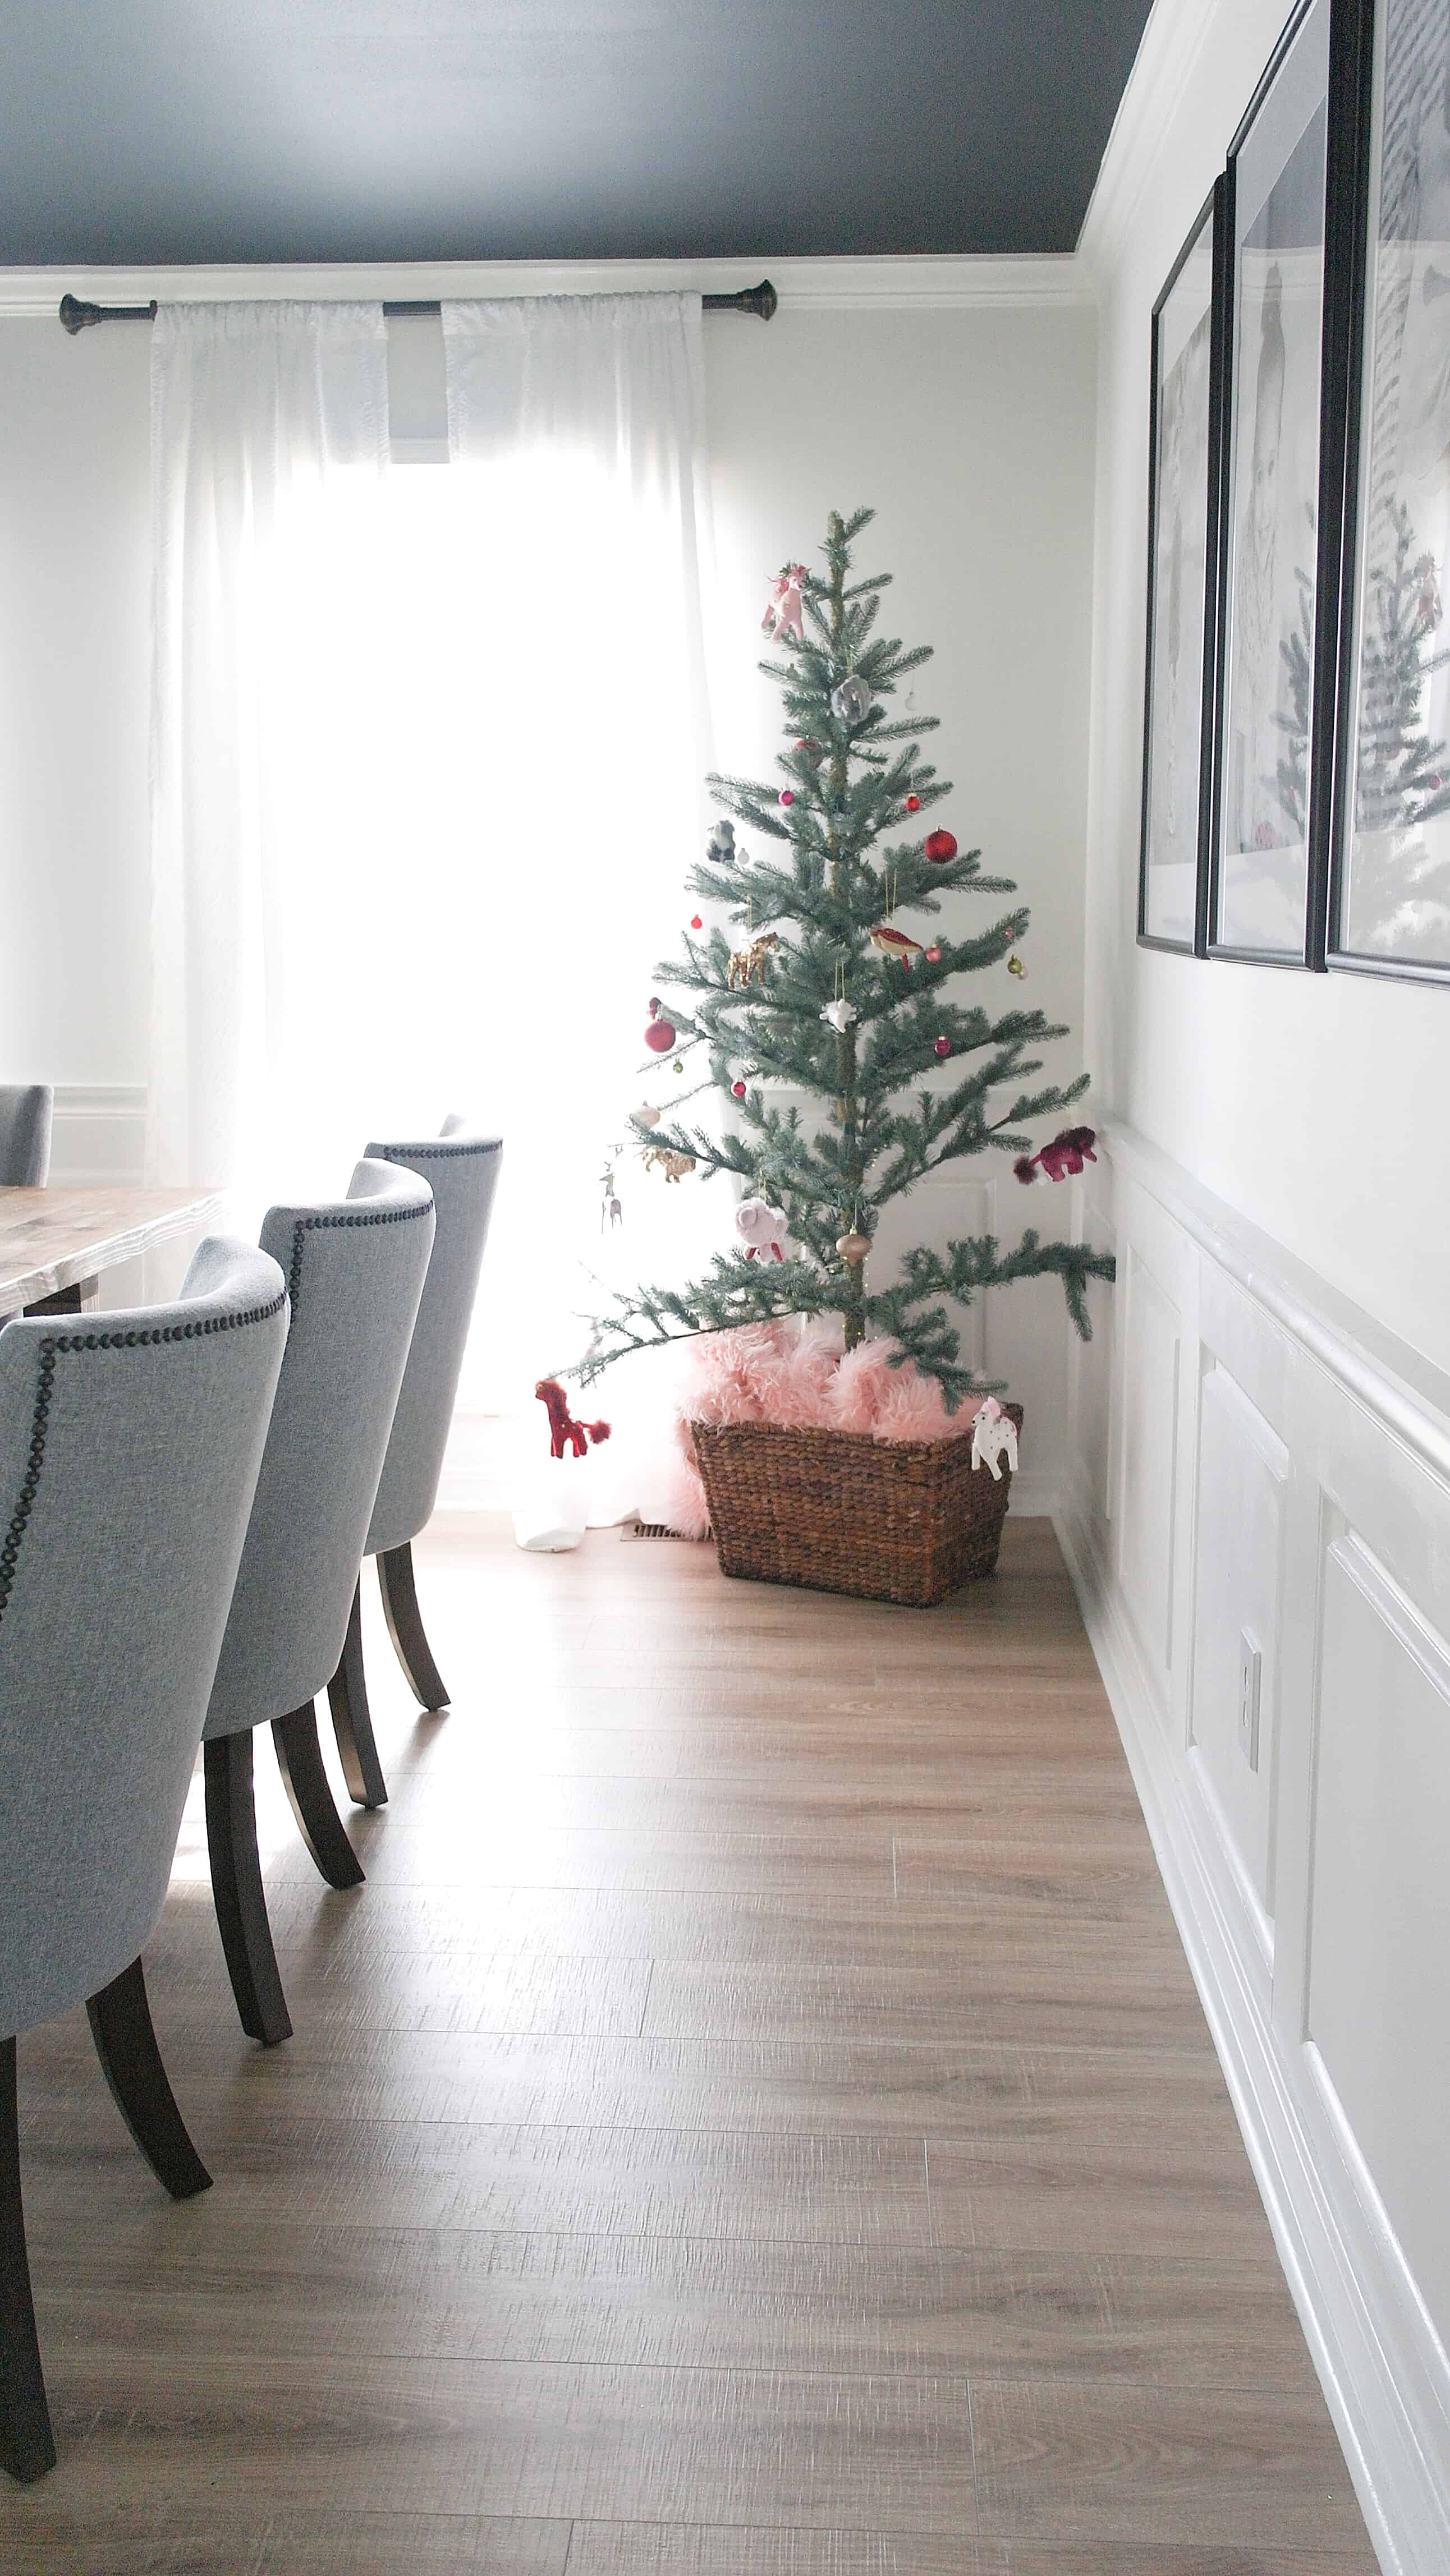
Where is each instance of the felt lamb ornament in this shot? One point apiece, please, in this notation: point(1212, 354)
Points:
point(761, 1228)
point(994, 1435)
point(1068, 1153)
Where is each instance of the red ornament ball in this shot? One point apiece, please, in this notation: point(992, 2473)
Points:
point(943, 1046)
point(660, 1036)
point(787, 795)
point(933, 956)
point(695, 922)
point(940, 846)
point(739, 1090)
point(913, 804)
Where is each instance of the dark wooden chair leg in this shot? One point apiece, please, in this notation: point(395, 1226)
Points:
point(236, 1881)
point(405, 1627)
point(352, 1719)
point(120, 2018)
point(27, 2444)
point(299, 1756)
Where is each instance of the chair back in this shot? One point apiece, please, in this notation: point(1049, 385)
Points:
point(26, 1111)
point(463, 1168)
point(129, 1450)
point(354, 1269)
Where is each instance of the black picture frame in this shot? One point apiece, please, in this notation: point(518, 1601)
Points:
point(1327, 33)
point(1206, 234)
point(1365, 84)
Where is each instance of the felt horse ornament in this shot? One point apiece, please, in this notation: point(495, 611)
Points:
point(783, 608)
point(1068, 1153)
point(564, 1431)
point(747, 965)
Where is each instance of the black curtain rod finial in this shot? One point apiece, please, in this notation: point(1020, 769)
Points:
point(76, 316)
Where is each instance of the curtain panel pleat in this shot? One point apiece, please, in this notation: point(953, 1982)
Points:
point(255, 408)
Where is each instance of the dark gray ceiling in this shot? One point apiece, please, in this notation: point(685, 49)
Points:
point(206, 130)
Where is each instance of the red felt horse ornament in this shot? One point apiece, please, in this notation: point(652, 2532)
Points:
point(564, 1431)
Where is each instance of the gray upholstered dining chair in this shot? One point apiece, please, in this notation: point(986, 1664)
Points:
point(463, 1169)
point(354, 1269)
point(128, 1459)
point(26, 1111)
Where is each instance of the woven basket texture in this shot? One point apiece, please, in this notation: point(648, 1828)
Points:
point(835, 1511)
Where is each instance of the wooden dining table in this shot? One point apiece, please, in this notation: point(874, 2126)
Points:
point(55, 1243)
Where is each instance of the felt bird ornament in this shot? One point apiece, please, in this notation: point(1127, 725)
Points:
point(894, 943)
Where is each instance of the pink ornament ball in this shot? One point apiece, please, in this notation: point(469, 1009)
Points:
point(739, 1090)
point(787, 795)
point(659, 1037)
point(933, 956)
point(943, 1046)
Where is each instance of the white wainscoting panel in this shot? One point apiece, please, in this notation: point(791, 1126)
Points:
point(1379, 1933)
point(1242, 1469)
point(1279, 1466)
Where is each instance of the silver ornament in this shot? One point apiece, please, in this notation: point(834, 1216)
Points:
point(851, 702)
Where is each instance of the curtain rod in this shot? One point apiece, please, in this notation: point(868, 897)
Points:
point(76, 316)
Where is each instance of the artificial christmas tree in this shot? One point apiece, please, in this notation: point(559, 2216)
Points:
point(822, 989)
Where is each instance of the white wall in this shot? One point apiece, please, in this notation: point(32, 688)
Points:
point(1261, 1452)
point(968, 426)
point(74, 692)
point(1315, 1104)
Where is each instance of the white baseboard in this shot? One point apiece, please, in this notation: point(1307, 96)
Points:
point(99, 1134)
point(1377, 2361)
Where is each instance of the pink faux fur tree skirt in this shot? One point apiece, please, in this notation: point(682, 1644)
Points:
point(798, 1378)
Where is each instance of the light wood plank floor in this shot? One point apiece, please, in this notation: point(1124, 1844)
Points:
point(755, 2121)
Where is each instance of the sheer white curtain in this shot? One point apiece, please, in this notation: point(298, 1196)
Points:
point(580, 515)
point(428, 762)
point(267, 421)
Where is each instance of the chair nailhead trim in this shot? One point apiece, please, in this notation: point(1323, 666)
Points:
point(306, 1225)
point(50, 1348)
point(437, 1153)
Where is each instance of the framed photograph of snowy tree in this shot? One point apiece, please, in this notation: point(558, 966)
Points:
point(1389, 907)
point(1275, 188)
point(1182, 596)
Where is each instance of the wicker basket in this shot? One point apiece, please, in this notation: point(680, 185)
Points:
point(837, 1511)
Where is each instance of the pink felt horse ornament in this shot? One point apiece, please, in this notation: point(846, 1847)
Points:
point(784, 605)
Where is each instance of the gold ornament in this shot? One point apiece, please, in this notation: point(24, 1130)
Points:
point(1015, 966)
point(853, 1247)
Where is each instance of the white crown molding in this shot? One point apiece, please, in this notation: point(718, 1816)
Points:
point(843, 285)
point(1173, 39)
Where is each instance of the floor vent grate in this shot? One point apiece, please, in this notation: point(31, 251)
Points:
point(650, 1529)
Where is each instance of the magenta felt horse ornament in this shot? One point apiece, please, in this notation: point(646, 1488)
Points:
point(564, 1431)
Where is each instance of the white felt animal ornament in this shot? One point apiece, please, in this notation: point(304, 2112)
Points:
point(761, 1227)
point(994, 1435)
